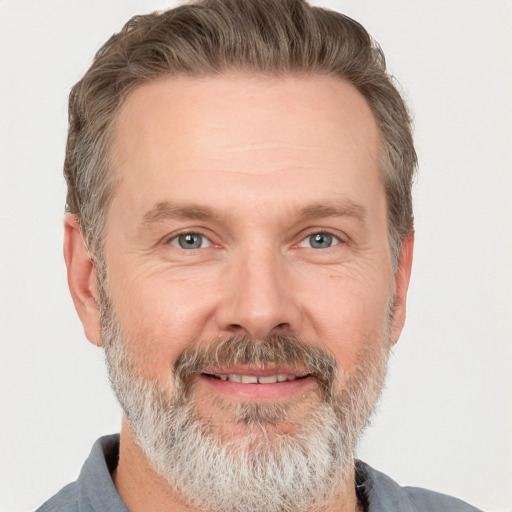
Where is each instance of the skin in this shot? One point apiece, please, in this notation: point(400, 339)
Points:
point(256, 165)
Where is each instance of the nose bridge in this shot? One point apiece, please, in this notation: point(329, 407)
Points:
point(259, 297)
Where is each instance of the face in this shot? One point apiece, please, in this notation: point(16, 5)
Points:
point(249, 210)
point(247, 206)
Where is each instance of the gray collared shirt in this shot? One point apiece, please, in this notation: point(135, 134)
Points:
point(94, 491)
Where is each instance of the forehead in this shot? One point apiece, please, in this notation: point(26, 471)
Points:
point(245, 130)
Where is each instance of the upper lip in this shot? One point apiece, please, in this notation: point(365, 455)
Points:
point(256, 371)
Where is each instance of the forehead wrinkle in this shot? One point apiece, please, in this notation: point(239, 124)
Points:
point(259, 172)
point(269, 145)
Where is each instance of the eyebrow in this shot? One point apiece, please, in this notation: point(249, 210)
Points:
point(343, 208)
point(170, 211)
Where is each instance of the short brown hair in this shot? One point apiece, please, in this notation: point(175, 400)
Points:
point(208, 37)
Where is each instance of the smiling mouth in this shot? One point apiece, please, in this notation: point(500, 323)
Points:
point(255, 379)
point(252, 383)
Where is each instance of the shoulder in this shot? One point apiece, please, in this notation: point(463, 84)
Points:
point(430, 501)
point(94, 490)
point(65, 500)
point(383, 494)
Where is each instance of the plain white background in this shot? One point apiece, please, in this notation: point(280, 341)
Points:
point(445, 421)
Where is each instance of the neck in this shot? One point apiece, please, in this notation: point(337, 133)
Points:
point(142, 489)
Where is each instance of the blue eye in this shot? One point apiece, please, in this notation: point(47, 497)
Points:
point(190, 241)
point(319, 241)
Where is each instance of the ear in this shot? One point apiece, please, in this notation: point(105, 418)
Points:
point(82, 279)
point(402, 278)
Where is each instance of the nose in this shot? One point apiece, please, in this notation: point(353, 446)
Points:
point(258, 298)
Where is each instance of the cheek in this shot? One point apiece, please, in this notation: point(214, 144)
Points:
point(349, 316)
point(159, 319)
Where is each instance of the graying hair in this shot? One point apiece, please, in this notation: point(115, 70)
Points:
point(267, 469)
point(213, 37)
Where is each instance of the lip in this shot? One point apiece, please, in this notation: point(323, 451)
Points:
point(257, 391)
point(257, 371)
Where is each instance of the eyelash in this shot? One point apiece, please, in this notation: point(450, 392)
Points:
point(176, 238)
point(336, 239)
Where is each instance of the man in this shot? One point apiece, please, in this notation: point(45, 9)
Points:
point(239, 240)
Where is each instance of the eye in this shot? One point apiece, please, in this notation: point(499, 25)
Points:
point(319, 241)
point(190, 241)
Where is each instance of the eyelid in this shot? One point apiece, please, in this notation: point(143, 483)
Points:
point(169, 239)
point(336, 236)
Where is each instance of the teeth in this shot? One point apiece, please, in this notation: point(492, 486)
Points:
point(253, 379)
point(249, 379)
point(267, 380)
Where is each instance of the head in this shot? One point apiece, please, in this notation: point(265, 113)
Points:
point(209, 38)
point(239, 182)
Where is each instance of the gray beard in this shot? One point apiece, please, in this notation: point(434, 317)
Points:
point(266, 469)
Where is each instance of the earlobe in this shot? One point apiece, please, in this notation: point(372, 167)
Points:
point(82, 279)
point(402, 279)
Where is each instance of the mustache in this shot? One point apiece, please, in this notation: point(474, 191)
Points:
point(286, 350)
